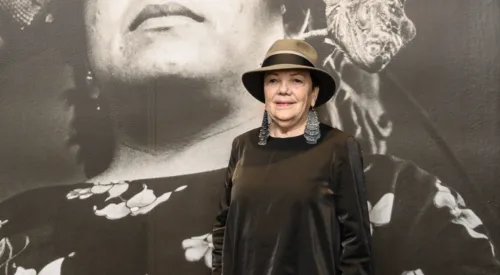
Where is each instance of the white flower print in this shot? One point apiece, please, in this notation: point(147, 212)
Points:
point(9, 253)
point(21, 271)
point(53, 268)
point(413, 272)
point(380, 213)
point(114, 190)
point(199, 247)
point(3, 222)
point(140, 204)
point(460, 214)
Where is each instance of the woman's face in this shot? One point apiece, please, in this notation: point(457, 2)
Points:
point(288, 95)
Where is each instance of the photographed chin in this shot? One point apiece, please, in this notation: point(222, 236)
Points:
point(176, 61)
point(137, 75)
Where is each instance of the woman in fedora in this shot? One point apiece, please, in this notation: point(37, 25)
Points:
point(295, 197)
point(133, 232)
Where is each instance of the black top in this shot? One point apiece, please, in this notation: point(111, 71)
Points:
point(294, 208)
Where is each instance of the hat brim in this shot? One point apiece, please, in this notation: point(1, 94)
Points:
point(254, 81)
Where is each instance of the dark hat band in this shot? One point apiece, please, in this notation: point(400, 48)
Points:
point(286, 58)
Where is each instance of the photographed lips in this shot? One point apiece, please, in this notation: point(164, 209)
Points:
point(162, 11)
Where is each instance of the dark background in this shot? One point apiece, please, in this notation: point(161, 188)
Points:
point(452, 70)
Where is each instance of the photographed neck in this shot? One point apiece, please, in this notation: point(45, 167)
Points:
point(207, 153)
point(155, 137)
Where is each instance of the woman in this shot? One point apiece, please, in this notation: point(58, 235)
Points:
point(134, 213)
point(295, 197)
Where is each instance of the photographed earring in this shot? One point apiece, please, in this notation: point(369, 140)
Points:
point(49, 18)
point(264, 130)
point(92, 89)
point(312, 132)
point(283, 9)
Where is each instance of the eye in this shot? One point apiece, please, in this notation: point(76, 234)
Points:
point(299, 81)
point(271, 81)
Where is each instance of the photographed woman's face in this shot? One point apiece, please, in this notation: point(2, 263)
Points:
point(289, 95)
point(140, 40)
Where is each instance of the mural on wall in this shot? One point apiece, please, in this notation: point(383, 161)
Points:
point(142, 99)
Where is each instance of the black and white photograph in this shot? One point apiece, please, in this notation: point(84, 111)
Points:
point(117, 119)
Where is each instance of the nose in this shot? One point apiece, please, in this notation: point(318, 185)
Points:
point(283, 88)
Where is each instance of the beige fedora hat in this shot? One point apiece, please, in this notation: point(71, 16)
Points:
point(286, 54)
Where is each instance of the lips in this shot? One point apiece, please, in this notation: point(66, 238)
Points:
point(284, 103)
point(158, 11)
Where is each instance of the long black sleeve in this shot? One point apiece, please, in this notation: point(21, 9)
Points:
point(220, 221)
point(352, 213)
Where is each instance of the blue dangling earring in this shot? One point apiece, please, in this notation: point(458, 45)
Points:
point(264, 130)
point(312, 132)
